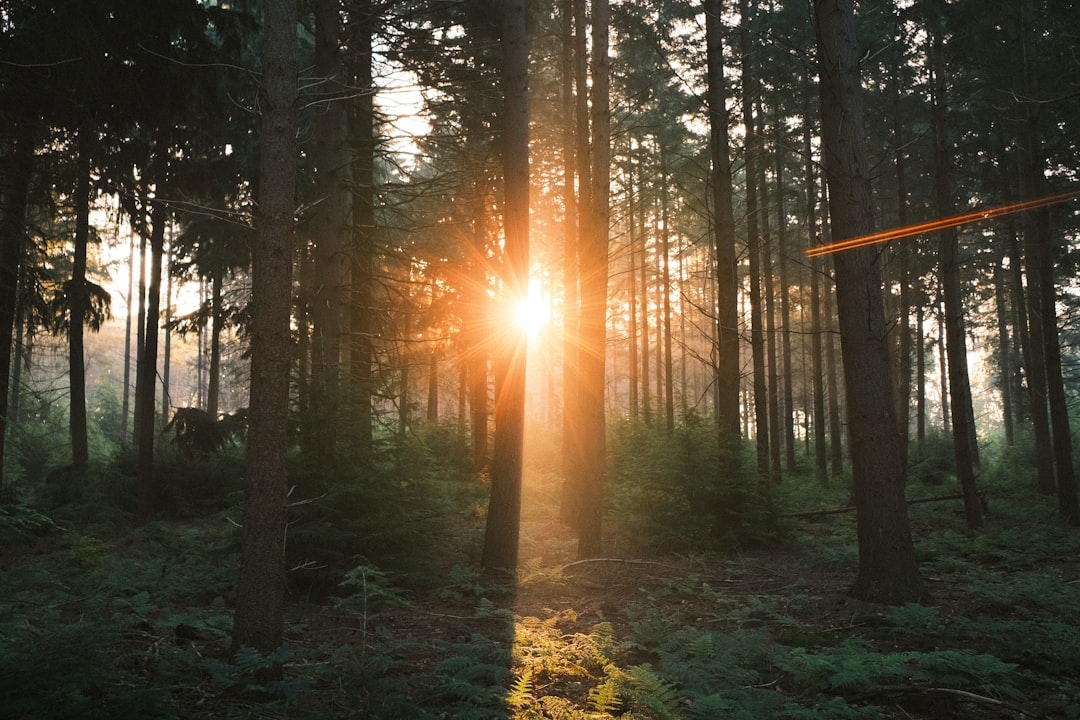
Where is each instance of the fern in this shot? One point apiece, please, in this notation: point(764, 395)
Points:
point(521, 690)
point(646, 689)
point(604, 698)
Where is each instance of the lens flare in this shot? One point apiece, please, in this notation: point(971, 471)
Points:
point(931, 226)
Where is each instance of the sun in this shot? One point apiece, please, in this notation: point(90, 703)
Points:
point(531, 314)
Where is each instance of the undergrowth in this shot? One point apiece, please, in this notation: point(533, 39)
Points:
point(391, 618)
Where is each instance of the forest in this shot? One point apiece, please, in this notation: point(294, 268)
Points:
point(507, 359)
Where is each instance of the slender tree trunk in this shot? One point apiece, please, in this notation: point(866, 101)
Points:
point(723, 227)
point(832, 385)
point(785, 316)
point(260, 594)
point(217, 319)
point(920, 381)
point(433, 386)
point(125, 407)
point(1004, 352)
point(404, 370)
point(959, 383)
point(771, 360)
point(903, 341)
point(77, 299)
point(166, 359)
point(943, 368)
point(665, 289)
point(16, 167)
point(572, 59)
point(362, 260)
point(1041, 256)
point(504, 509)
point(593, 253)
point(888, 571)
point(817, 327)
point(632, 277)
point(146, 372)
point(754, 244)
point(327, 293)
point(646, 387)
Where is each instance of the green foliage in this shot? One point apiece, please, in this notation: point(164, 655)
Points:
point(853, 668)
point(677, 493)
point(400, 516)
point(251, 672)
point(21, 523)
point(473, 678)
point(937, 463)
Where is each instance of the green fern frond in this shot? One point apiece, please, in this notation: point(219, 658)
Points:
point(653, 692)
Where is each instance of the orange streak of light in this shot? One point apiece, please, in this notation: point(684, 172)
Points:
point(931, 226)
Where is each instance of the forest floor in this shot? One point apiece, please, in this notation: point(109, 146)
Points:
point(136, 624)
point(755, 633)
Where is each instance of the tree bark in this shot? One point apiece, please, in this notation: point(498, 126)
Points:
point(1004, 352)
point(16, 167)
point(328, 229)
point(260, 595)
point(593, 254)
point(77, 299)
point(1041, 256)
point(723, 229)
point(146, 371)
point(959, 383)
point(665, 288)
point(785, 317)
point(753, 246)
point(500, 550)
point(363, 251)
point(888, 571)
point(817, 329)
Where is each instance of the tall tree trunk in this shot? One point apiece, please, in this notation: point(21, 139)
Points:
point(500, 550)
point(405, 366)
point(16, 167)
point(433, 385)
point(888, 571)
point(217, 319)
point(920, 380)
point(166, 355)
point(769, 297)
point(832, 382)
point(77, 299)
point(665, 289)
point(593, 254)
point(903, 322)
point(632, 277)
point(943, 368)
point(723, 229)
point(260, 593)
point(146, 370)
point(327, 293)
point(959, 383)
point(785, 316)
point(140, 329)
point(817, 327)
point(1041, 256)
point(1004, 352)
point(646, 387)
point(754, 244)
point(572, 64)
point(362, 260)
point(125, 407)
